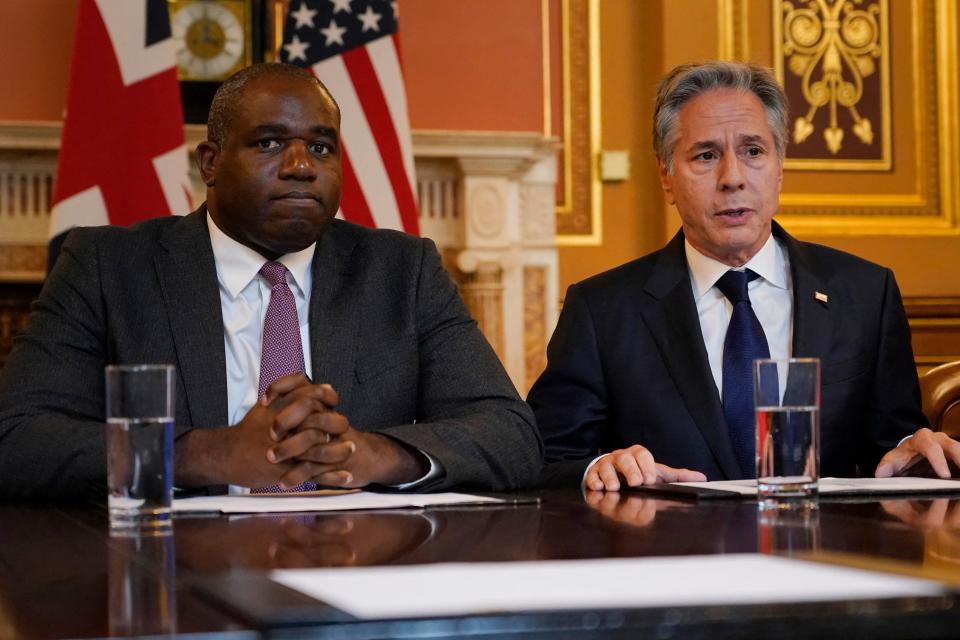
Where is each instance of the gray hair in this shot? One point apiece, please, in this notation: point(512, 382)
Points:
point(688, 81)
point(228, 94)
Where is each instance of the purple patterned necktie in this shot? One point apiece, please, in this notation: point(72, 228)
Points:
point(281, 351)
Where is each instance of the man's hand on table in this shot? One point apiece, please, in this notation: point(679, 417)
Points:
point(322, 446)
point(235, 455)
point(292, 434)
point(937, 448)
point(637, 467)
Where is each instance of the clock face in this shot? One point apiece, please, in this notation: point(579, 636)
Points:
point(210, 40)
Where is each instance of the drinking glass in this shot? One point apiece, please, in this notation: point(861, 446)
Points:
point(140, 445)
point(787, 402)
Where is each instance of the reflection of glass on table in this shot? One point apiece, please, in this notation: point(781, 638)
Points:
point(789, 530)
point(142, 598)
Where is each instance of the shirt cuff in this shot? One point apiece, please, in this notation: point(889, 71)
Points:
point(434, 472)
point(905, 439)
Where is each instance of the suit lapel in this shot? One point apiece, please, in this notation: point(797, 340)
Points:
point(675, 326)
point(812, 325)
point(188, 282)
point(335, 316)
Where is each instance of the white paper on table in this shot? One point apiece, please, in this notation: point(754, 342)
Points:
point(458, 589)
point(850, 486)
point(344, 502)
point(903, 484)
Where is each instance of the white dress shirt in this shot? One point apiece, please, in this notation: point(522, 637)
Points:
point(771, 296)
point(244, 297)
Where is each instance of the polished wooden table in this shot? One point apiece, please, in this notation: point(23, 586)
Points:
point(62, 575)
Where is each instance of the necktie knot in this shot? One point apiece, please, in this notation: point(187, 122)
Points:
point(733, 284)
point(274, 272)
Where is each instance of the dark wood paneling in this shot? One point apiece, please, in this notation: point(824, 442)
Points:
point(15, 299)
point(935, 327)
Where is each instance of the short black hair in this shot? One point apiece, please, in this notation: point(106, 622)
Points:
point(228, 94)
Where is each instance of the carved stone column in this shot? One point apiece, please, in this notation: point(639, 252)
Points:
point(482, 291)
point(501, 238)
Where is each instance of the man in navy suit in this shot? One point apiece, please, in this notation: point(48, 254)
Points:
point(632, 390)
point(403, 389)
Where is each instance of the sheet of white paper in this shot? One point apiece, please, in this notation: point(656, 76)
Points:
point(844, 485)
point(473, 588)
point(897, 485)
point(344, 502)
point(743, 487)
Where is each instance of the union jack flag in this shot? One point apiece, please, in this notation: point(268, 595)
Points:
point(122, 153)
point(351, 45)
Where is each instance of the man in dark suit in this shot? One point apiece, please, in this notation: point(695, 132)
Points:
point(636, 384)
point(405, 391)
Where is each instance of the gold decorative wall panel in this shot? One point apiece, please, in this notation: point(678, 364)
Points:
point(892, 64)
point(578, 199)
point(833, 59)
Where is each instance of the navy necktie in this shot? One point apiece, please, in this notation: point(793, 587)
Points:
point(745, 342)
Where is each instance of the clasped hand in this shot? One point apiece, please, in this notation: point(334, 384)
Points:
point(294, 434)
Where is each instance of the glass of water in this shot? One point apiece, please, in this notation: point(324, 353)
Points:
point(140, 446)
point(787, 402)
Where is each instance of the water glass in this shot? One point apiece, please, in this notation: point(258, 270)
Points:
point(787, 402)
point(140, 445)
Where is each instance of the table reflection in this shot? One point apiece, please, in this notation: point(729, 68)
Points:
point(63, 575)
point(675, 527)
point(292, 541)
point(926, 515)
point(633, 510)
point(939, 520)
point(53, 579)
point(141, 585)
point(793, 528)
point(634, 524)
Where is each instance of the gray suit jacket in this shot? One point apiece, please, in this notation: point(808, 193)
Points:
point(627, 365)
point(387, 329)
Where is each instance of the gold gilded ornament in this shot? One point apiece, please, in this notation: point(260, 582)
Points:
point(831, 45)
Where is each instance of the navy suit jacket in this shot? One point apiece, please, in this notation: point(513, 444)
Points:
point(387, 329)
point(627, 365)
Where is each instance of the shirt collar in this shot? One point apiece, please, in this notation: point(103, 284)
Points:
point(769, 263)
point(238, 264)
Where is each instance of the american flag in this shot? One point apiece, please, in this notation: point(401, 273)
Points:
point(351, 45)
point(122, 153)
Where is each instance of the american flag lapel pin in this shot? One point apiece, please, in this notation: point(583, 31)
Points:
point(821, 297)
